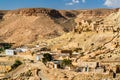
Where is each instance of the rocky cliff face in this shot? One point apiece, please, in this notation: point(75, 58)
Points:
point(23, 26)
point(35, 12)
point(95, 35)
point(98, 20)
point(95, 13)
point(2, 13)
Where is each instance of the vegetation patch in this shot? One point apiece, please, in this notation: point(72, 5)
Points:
point(16, 64)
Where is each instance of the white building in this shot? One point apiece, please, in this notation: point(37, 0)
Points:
point(9, 52)
point(89, 64)
point(21, 49)
point(39, 57)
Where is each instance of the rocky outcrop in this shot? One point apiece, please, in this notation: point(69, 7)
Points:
point(95, 13)
point(2, 13)
point(28, 25)
point(35, 12)
point(24, 26)
point(98, 21)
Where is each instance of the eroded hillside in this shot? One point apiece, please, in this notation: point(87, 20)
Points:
point(23, 26)
point(96, 38)
point(2, 13)
point(93, 34)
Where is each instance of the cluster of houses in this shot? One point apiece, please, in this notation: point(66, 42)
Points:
point(12, 52)
point(78, 65)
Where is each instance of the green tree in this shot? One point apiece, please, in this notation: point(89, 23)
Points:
point(16, 64)
point(44, 60)
point(47, 57)
point(1, 49)
point(66, 62)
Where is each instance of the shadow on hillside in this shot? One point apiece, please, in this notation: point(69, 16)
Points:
point(1, 15)
point(6, 45)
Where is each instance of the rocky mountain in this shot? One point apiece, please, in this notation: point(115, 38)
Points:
point(24, 26)
point(28, 25)
point(94, 34)
point(97, 36)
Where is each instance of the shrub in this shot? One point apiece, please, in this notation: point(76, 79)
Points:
point(82, 54)
point(16, 64)
point(117, 68)
point(44, 60)
point(66, 62)
point(1, 49)
point(29, 73)
point(47, 57)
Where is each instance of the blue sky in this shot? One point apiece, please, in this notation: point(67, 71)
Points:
point(58, 4)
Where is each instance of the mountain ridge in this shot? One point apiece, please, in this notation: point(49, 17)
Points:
point(23, 26)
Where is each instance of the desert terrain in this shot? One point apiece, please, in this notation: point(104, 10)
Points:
point(90, 36)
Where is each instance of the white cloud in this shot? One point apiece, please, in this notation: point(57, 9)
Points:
point(83, 1)
point(70, 3)
point(112, 3)
point(75, 2)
